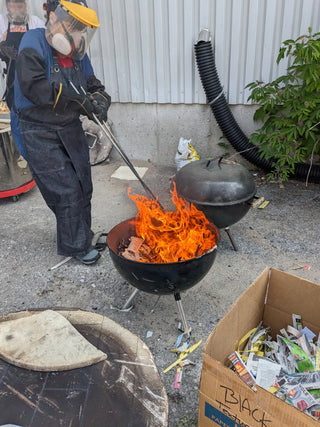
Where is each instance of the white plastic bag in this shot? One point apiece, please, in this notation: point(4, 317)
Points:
point(185, 153)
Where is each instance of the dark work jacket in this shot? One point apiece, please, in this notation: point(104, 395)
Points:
point(35, 92)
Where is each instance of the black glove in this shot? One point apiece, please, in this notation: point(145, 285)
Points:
point(86, 105)
point(101, 102)
point(65, 95)
point(7, 52)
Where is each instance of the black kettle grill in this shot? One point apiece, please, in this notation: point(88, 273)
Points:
point(222, 189)
point(158, 279)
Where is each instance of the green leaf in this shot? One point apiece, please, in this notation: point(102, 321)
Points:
point(289, 107)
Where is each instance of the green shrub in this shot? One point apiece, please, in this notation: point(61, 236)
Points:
point(290, 108)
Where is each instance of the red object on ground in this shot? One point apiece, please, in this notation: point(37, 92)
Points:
point(15, 191)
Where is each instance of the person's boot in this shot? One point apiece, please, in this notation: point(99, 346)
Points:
point(90, 258)
point(101, 242)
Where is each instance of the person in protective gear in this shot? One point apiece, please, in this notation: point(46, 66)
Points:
point(15, 21)
point(54, 85)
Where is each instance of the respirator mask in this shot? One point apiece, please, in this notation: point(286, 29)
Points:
point(67, 34)
point(74, 44)
point(17, 12)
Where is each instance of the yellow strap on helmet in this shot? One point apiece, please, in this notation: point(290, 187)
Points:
point(83, 14)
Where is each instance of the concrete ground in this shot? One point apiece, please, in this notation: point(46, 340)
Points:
point(285, 234)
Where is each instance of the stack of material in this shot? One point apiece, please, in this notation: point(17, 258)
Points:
point(46, 341)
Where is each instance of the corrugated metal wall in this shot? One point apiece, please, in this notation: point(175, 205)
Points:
point(144, 48)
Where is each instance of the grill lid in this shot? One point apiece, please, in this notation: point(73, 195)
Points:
point(215, 183)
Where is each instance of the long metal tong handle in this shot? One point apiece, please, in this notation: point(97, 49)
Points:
point(106, 129)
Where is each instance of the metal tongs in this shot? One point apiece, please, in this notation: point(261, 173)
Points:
point(105, 127)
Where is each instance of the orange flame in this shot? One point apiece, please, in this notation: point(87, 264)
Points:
point(173, 236)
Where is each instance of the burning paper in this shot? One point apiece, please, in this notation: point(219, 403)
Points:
point(172, 236)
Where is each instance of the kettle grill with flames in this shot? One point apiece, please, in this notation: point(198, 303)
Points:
point(158, 278)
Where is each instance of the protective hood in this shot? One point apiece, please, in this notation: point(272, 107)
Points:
point(70, 29)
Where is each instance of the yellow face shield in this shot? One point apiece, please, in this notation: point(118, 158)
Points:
point(70, 29)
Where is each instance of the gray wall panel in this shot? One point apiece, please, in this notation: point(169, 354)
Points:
point(143, 50)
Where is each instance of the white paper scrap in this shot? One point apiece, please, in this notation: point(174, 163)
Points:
point(125, 173)
point(252, 363)
point(300, 397)
point(266, 373)
point(309, 334)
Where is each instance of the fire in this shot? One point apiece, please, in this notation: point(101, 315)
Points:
point(173, 236)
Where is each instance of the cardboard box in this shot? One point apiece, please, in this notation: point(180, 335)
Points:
point(225, 400)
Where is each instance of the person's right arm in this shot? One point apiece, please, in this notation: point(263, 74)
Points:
point(32, 77)
point(35, 86)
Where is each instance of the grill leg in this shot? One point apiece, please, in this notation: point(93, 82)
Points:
point(227, 230)
point(155, 304)
point(186, 328)
point(126, 305)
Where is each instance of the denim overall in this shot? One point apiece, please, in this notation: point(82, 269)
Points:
point(58, 157)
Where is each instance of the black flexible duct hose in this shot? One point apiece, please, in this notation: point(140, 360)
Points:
point(226, 121)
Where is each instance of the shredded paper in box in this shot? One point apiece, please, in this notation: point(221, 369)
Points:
point(289, 367)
